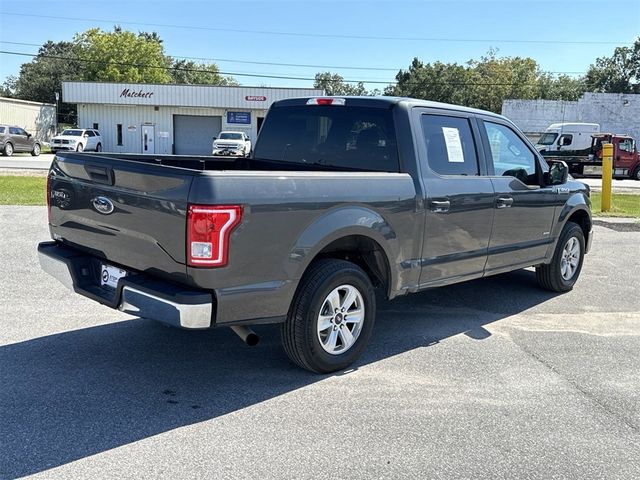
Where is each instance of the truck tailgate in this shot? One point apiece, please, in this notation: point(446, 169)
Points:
point(130, 214)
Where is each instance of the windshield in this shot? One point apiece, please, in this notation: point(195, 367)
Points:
point(230, 136)
point(73, 133)
point(355, 138)
point(547, 138)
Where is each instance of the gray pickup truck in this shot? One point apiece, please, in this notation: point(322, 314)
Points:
point(342, 196)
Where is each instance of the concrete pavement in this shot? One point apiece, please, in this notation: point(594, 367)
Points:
point(488, 379)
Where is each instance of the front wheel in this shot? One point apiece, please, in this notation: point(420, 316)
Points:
point(79, 148)
point(636, 174)
point(99, 147)
point(563, 271)
point(36, 150)
point(331, 317)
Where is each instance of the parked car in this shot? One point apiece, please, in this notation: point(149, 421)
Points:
point(77, 139)
point(232, 143)
point(15, 139)
point(340, 196)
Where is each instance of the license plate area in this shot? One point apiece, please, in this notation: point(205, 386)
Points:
point(109, 275)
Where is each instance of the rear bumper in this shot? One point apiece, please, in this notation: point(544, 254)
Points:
point(137, 294)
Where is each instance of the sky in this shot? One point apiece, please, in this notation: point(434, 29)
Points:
point(365, 41)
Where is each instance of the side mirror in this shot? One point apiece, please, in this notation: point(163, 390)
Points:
point(558, 173)
point(215, 138)
point(28, 135)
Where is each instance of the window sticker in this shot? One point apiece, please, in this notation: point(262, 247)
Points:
point(454, 145)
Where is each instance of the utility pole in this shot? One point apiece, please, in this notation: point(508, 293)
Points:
point(57, 98)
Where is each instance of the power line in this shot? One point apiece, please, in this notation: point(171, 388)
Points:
point(304, 65)
point(237, 74)
point(321, 35)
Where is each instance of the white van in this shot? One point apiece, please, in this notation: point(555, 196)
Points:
point(567, 136)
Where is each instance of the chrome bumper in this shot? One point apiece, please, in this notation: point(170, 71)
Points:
point(136, 295)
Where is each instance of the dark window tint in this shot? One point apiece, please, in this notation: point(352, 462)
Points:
point(89, 133)
point(357, 138)
point(14, 131)
point(119, 134)
point(565, 140)
point(1, 129)
point(450, 146)
point(510, 155)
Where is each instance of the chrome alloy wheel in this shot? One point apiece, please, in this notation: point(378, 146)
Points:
point(570, 258)
point(340, 319)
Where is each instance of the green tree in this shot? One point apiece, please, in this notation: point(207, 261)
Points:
point(562, 87)
point(122, 56)
point(192, 73)
point(334, 84)
point(619, 73)
point(440, 82)
point(483, 83)
point(40, 79)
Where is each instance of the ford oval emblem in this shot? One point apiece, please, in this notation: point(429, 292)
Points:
point(103, 205)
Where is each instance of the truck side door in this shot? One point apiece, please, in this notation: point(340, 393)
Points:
point(524, 207)
point(624, 157)
point(458, 198)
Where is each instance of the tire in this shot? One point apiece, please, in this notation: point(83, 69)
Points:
point(99, 147)
point(36, 150)
point(79, 148)
point(8, 149)
point(569, 251)
point(323, 351)
point(636, 174)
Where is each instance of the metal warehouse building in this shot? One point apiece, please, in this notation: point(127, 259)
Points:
point(39, 119)
point(165, 119)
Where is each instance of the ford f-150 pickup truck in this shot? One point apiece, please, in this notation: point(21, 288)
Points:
point(342, 196)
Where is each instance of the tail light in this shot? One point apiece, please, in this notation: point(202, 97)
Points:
point(208, 230)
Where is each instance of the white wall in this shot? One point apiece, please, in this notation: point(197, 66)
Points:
point(36, 118)
point(616, 113)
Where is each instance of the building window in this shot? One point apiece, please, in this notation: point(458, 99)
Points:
point(119, 135)
point(95, 126)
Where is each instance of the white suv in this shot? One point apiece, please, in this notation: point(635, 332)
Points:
point(77, 139)
point(232, 143)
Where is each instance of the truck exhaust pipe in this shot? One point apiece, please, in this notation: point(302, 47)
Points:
point(247, 335)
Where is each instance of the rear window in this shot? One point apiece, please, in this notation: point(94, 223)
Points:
point(357, 138)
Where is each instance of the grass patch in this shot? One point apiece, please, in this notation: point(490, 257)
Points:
point(622, 205)
point(23, 190)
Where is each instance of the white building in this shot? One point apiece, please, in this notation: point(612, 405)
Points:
point(166, 119)
point(39, 119)
point(614, 112)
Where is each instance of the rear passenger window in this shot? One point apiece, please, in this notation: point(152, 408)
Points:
point(1, 129)
point(450, 146)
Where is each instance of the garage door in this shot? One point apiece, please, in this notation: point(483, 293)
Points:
point(193, 134)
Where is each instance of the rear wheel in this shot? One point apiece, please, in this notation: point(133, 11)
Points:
point(36, 150)
point(563, 271)
point(331, 317)
point(8, 150)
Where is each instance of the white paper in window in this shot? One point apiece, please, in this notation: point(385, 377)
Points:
point(454, 145)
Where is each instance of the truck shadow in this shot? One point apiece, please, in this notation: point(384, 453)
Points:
point(71, 395)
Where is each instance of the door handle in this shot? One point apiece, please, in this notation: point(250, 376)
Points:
point(440, 206)
point(504, 202)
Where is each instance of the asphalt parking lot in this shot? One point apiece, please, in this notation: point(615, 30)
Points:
point(489, 379)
